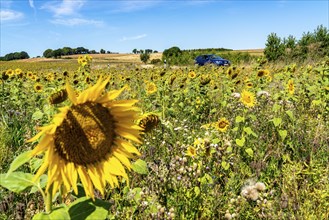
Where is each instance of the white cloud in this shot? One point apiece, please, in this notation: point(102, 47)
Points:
point(129, 6)
point(133, 38)
point(31, 4)
point(66, 7)
point(8, 15)
point(76, 22)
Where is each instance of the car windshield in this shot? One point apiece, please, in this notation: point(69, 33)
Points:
point(215, 57)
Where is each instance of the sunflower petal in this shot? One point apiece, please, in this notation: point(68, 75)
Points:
point(95, 177)
point(85, 181)
point(71, 94)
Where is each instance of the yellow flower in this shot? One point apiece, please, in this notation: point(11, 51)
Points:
point(10, 72)
point(222, 124)
point(248, 85)
point(229, 71)
point(50, 77)
point(38, 87)
point(150, 88)
point(29, 74)
point(199, 142)
point(90, 141)
point(191, 74)
point(248, 98)
point(148, 121)
point(191, 151)
point(262, 73)
point(291, 87)
point(18, 71)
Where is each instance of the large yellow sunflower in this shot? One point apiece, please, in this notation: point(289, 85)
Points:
point(90, 141)
point(248, 98)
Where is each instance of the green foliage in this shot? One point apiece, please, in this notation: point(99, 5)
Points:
point(144, 57)
point(15, 56)
point(312, 45)
point(156, 61)
point(274, 48)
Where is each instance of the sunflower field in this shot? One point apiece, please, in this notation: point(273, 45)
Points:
point(249, 141)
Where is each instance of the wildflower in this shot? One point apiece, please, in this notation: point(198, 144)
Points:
point(236, 95)
point(191, 151)
point(248, 98)
point(18, 71)
point(291, 87)
point(248, 85)
point(222, 124)
point(148, 121)
point(150, 88)
point(191, 74)
point(263, 93)
point(50, 77)
point(10, 72)
point(262, 73)
point(205, 80)
point(38, 87)
point(90, 141)
point(58, 97)
point(260, 186)
point(229, 71)
point(29, 74)
point(250, 192)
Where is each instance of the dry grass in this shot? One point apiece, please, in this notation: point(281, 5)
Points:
point(253, 52)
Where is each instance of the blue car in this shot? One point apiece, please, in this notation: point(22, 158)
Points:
point(211, 59)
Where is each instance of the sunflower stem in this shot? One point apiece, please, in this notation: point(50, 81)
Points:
point(49, 199)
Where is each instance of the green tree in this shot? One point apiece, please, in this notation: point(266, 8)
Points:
point(274, 48)
point(290, 45)
point(102, 51)
point(57, 53)
point(144, 57)
point(321, 35)
point(135, 51)
point(48, 53)
point(67, 51)
point(172, 55)
point(305, 44)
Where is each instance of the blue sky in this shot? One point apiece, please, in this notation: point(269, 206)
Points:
point(120, 26)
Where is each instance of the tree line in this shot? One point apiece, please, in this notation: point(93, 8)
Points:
point(312, 45)
point(50, 53)
point(15, 56)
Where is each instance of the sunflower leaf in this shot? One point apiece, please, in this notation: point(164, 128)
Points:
point(86, 208)
point(16, 181)
point(37, 115)
point(19, 161)
point(283, 134)
point(57, 213)
point(225, 165)
point(240, 142)
point(239, 119)
point(41, 184)
point(277, 121)
point(140, 166)
point(249, 131)
point(250, 152)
